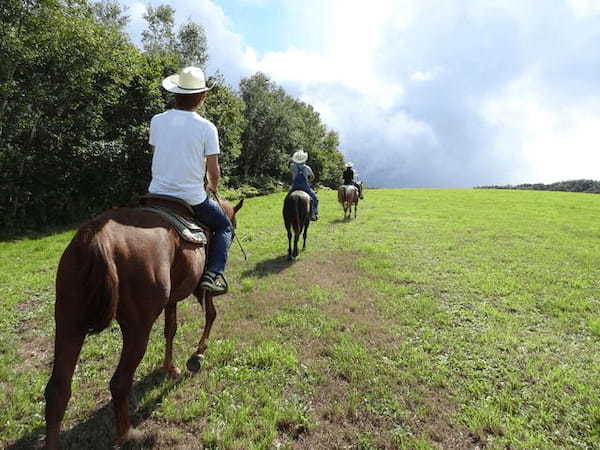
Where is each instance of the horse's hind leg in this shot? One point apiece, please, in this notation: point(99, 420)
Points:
point(58, 390)
point(304, 235)
point(195, 361)
point(289, 234)
point(296, 239)
point(135, 341)
point(170, 330)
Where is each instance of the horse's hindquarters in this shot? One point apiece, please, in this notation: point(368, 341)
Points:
point(296, 216)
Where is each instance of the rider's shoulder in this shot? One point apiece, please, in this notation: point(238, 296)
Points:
point(203, 120)
point(160, 116)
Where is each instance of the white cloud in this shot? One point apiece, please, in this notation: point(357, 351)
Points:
point(426, 75)
point(556, 142)
point(582, 8)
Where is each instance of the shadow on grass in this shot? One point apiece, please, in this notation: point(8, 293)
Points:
point(97, 432)
point(13, 236)
point(342, 220)
point(268, 267)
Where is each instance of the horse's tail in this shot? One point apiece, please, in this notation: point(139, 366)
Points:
point(342, 195)
point(297, 216)
point(101, 288)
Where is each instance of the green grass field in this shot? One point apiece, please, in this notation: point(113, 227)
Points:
point(437, 319)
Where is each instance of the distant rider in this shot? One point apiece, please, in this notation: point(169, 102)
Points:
point(348, 175)
point(302, 175)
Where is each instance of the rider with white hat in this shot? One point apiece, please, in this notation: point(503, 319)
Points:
point(302, 175)
point(348, 176)
point(186, 147)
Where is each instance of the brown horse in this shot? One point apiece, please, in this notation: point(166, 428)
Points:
point(348, 196)
point(296, 215)
point(129, 264)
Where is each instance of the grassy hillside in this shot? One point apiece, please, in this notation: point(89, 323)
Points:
point(437, 319)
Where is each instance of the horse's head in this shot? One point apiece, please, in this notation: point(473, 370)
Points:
point(231, 211)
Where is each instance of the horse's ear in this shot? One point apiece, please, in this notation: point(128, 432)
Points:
point(237, 207)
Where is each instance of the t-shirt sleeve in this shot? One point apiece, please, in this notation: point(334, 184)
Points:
point(309, 173)
point(152, 137)
point(211, 146)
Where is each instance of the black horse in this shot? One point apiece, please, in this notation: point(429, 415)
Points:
point(296, 214)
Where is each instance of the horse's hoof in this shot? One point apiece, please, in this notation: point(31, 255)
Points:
point(132, 435)
point(172, 371)
point(194, 364)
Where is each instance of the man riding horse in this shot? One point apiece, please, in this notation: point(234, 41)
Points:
point(186, 147)
point(132, 265)
point(348, 175)
point(302, 175)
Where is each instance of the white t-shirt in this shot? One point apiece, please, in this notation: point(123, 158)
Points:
point(182, 140)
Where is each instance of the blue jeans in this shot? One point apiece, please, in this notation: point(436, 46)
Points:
point(301, 184)
point(210, 213)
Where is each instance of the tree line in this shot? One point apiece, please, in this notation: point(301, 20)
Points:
point(589, 186)
point(76, 98)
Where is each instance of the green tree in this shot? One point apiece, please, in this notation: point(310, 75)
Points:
point(159, 37)
point(278, 125)
point(62, 145)
point(191, 45)
point(266, 144)
point(187, 46)
point(226, 110)
point(110, 13)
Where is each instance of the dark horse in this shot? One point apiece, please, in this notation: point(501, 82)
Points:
point(296, 214)
point(129, 264)
point(348, 195)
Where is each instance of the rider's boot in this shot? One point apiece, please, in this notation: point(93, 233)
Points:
point(313, 213)
point(214, 283)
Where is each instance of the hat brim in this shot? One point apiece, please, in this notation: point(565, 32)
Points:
point(171, 84)
point(300, 160)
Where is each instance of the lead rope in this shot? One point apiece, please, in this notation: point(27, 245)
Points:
point(216, 196)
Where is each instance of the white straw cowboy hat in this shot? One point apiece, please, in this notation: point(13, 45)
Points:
point(300, 157)
point(348, 164)
point(189, 81)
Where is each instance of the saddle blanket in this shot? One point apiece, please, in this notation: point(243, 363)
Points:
point(188, 230)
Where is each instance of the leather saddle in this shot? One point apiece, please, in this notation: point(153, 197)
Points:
point(179, 214)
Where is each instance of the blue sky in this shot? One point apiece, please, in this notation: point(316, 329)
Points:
point(259, 23)
point(266, 26)
point(434, 93)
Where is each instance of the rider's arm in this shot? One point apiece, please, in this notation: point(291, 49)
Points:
point(213, 172)
point(309, 174)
